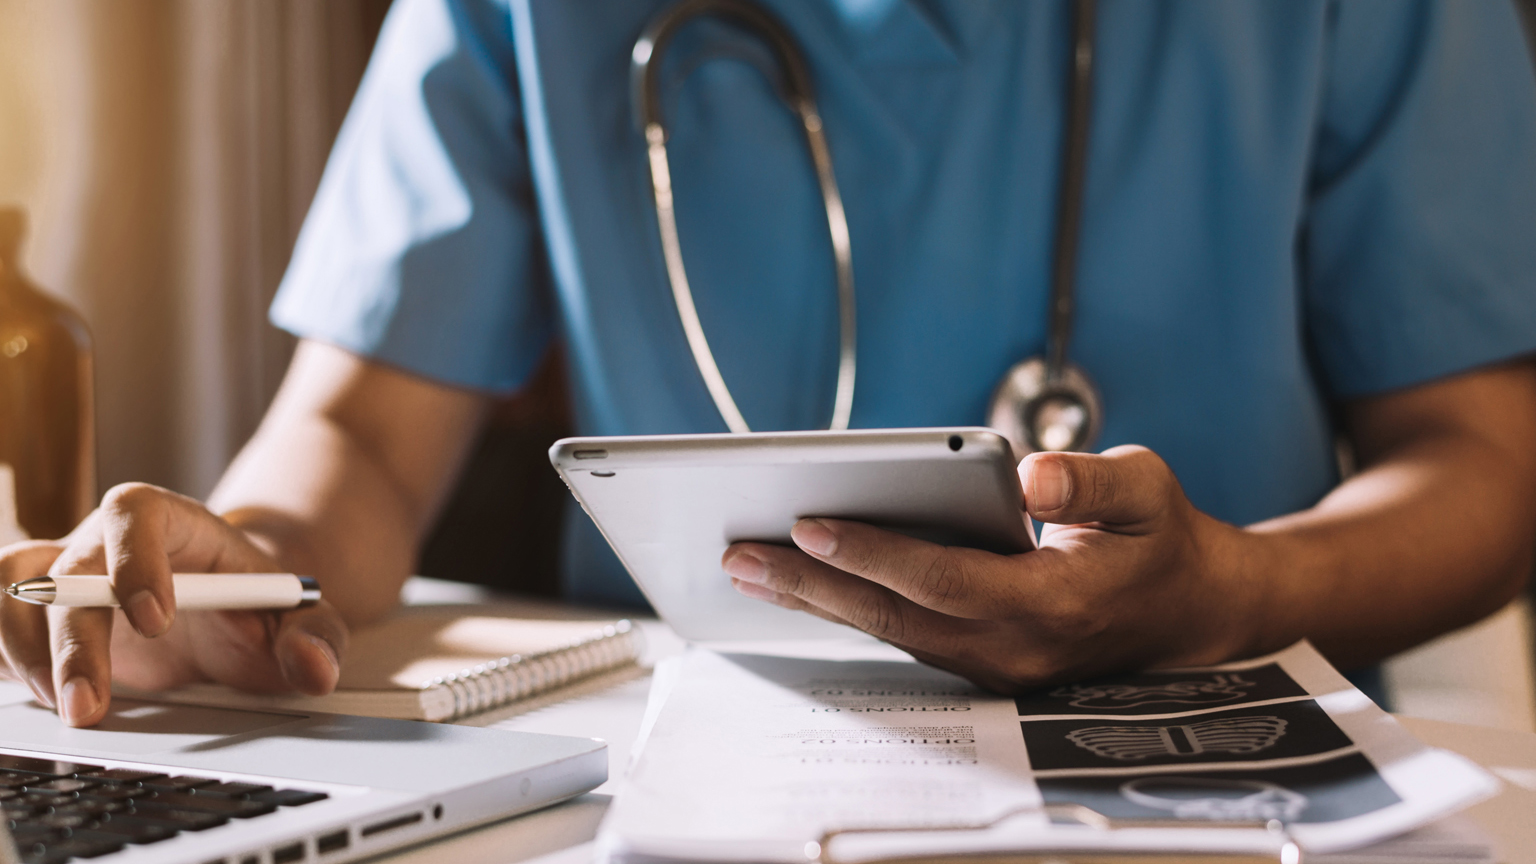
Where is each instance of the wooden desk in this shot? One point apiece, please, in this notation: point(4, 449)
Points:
point(563, 834)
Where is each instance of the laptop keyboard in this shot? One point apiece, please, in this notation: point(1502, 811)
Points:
point(62, 810)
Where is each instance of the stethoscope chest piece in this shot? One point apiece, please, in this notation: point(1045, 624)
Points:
point(1039, 412)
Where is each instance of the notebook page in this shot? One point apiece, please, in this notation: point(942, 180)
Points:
point(410, 651)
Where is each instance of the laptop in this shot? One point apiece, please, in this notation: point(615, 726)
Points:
point(171, 784)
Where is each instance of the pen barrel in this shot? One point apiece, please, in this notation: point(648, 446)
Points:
point(194, 591)
point(219, 591)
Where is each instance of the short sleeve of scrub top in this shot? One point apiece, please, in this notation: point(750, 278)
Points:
point(1287, 205)
point(421, 247)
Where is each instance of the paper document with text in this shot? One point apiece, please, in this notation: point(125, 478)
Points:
point(752, 757)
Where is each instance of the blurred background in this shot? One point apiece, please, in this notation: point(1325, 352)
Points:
point(166, 152)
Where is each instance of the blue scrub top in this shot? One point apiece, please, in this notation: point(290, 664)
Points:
point(1288, 204)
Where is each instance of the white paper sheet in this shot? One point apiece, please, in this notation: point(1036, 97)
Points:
point(752, 757)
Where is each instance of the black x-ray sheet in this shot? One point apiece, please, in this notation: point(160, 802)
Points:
point(1282, 738)
point(1163, 692)
point(1318, 792)
point(1285, 731)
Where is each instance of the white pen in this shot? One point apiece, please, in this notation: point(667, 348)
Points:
point(193, 591)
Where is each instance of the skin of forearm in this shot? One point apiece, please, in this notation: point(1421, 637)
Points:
point(320, 506)
point(1432, 534)
point(347, 473)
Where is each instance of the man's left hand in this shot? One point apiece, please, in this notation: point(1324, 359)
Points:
point(1128, 575)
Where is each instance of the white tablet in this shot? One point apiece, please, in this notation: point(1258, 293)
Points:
point(671, 504)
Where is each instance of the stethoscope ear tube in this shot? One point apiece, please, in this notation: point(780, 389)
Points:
point(645, 65)
point(796, 90)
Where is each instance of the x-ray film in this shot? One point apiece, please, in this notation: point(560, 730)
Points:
point(1163, 692)
point(1320, 792)
point(1284, 731)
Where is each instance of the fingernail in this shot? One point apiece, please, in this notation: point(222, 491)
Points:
point(327, 649)
point(146, 614)
point(747, 568)
point(813, 536)
point(1049, 486)
point(79, 700)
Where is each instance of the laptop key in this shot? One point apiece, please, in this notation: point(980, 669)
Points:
point(62, 786)
point(178, 784)
point(181, 820)
point(66, 850)
point(231, 790)
point(60, 821)
point(28, 837)
point(30, 802)
point(136, 830)
point(124, 776)
point(117, 793)
point(9, 780)
point(11, 810)
point(73, 847)
point(232, 807)
point(289, 797)
point(45, 767)
point(91, 806)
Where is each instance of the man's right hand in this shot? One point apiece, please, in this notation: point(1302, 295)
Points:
point(138, 537)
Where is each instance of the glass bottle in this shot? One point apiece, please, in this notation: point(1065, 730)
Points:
point(47, 426)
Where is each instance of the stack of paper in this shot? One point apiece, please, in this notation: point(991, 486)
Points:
point(748, 757)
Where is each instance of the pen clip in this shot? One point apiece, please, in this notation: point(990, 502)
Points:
point(1286, 850)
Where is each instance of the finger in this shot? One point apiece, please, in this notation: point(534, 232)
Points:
point(788, 601)
point(1124, 486)
point(24, 643)
point(1049, 588)
point(868, 606)
point(145, 530)
point(82, 665)
point(81, 642)
point(953, 580)
point(270, 653)
point(309, 647)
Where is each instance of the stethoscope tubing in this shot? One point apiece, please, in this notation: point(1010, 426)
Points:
point(1074, 178)
point(797, 93)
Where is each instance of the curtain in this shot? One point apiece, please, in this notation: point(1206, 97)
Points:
point(167, 151)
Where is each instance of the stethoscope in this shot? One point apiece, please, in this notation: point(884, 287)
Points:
point(1043, 403)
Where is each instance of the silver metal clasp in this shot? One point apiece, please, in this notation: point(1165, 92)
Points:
point(1284, 850)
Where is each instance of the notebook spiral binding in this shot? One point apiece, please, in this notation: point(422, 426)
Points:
point(498, 683)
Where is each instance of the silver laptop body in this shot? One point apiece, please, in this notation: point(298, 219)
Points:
point(201, 785)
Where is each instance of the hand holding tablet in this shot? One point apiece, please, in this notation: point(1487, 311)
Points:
point(921, 538)
point(670, 506)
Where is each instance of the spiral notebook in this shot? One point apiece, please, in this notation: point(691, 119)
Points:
point(443, 663)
